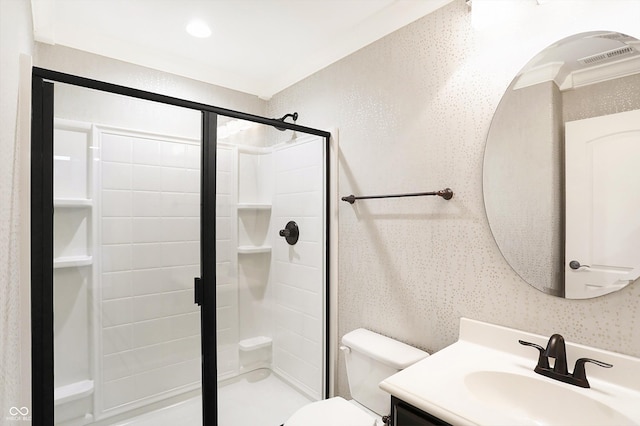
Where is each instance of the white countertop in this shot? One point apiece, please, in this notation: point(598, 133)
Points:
point(440, 384)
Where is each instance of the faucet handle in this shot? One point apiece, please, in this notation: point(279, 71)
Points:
point(579, 373)
point(543, 361)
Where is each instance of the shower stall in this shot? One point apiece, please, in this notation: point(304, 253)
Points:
point(168, 286)
point(271, 289)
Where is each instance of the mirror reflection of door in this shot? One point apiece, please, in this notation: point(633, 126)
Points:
point(590, 74)
point(602, 204)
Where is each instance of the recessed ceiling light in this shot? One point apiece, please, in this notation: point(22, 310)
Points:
point(198, 29)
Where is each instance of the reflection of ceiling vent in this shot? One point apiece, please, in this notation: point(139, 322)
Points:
point(601, 57)
point(613, 36)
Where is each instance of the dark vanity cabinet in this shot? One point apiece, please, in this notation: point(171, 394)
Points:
point(404, 414)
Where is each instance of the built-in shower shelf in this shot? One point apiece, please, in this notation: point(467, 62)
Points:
point(72, 392)
point(72, 261)
point(254, 249)
point(72, 202)
point(254, 206)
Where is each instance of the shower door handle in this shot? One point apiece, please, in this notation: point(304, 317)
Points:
point(197, 291)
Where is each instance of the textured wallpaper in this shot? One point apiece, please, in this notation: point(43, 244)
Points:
point(523, 161)
point(609, 97)
point(413, 111)
point(15, 39)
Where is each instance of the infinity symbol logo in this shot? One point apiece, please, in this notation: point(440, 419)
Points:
point(14, 411)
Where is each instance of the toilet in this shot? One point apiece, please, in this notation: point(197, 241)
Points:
point(370, 358)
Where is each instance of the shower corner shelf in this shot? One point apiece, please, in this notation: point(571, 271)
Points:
point(72, 261)
point(73, 202)
point(254, 206)
point(254, 249)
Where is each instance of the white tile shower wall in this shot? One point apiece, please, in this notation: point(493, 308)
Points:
point(227, 325)
point(299, 269)
point(149, 226)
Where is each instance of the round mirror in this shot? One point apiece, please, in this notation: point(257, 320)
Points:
point(561, 174)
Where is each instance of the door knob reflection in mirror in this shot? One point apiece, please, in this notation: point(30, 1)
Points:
point(290, 232)
point(574, 264)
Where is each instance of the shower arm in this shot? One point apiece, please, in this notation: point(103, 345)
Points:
point(294, 116)
point(446, 193)
point(284, 117)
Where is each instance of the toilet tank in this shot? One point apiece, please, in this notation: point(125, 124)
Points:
point(370, 358)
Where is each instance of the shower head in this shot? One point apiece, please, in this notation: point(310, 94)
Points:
point(284, 117)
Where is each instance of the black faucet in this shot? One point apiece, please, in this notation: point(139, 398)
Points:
point(556, 349)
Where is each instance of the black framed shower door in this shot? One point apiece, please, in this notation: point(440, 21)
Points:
point(42, 234)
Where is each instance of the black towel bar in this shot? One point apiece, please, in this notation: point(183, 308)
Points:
point(446, 193)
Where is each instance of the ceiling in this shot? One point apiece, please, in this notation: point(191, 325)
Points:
point(257, 46)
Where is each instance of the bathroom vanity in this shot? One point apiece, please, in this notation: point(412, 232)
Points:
point(487, 378)
point(405, 414)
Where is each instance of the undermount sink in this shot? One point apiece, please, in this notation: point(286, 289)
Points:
point(487, 378)
point(540, 400)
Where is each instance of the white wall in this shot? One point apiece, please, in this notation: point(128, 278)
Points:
point(413, 111)
point(15, 369)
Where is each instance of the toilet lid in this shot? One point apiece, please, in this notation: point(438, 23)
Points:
point(333, 411)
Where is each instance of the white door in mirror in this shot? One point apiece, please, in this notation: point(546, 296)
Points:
point(602, 176)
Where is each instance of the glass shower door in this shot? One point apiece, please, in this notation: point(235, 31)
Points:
point(116, 336)
point(271, 300)
point(126, 248)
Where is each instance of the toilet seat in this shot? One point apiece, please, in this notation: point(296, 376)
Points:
point(335, 411)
